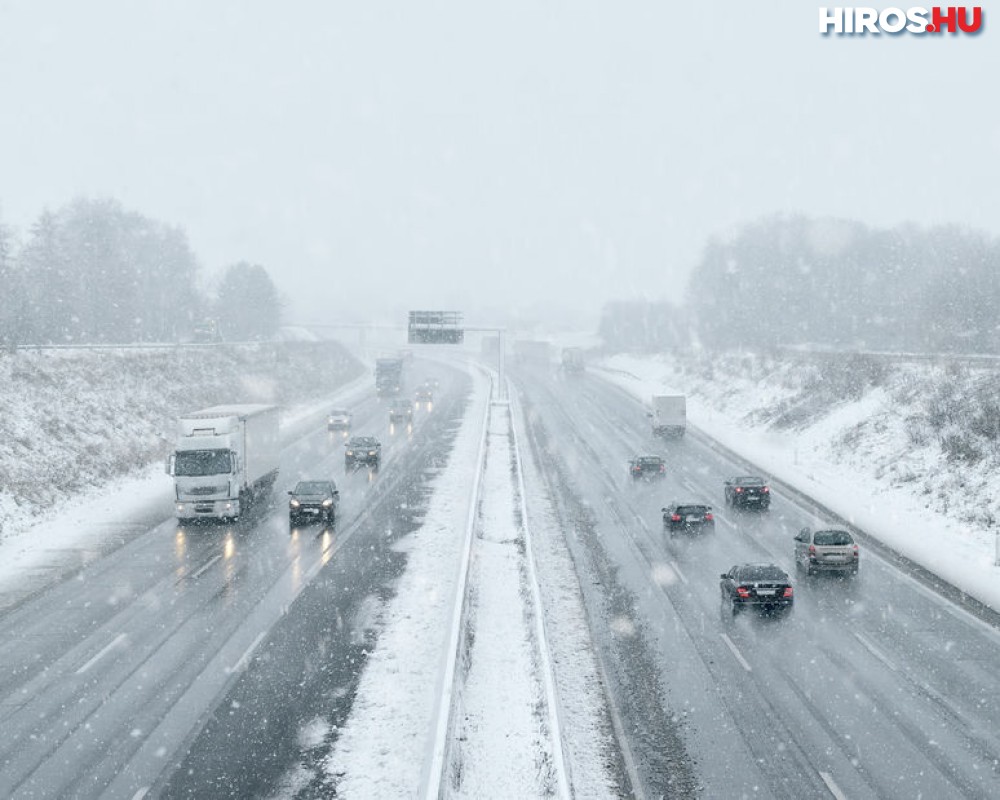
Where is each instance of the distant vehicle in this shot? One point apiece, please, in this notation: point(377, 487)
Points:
point(764, 587)
point(688, 518)
point(748, 491)
point(832, 551)
point(669, 415)
point(226, 458)
point(647, 467)
point(401, 411)
point(388, 376)
point(365, 450)
point(572, 360)
point(425, 394)
point(339, 419)
point(313, 500)
point(207, 332)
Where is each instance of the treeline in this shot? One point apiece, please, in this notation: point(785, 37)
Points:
point(93, 272)
point(841, 284)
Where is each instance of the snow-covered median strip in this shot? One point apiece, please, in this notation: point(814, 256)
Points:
point(852, 487)
point(503, 725)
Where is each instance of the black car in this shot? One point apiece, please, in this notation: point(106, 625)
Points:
point(647, 467)
point(748, 491)
point(764, 587)
point(688, 518)
point(313, 500)
point(401, 411)
point(363, 450)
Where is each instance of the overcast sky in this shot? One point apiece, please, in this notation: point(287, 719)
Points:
point(378, 156)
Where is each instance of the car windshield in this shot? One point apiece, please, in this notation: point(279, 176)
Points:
point(194, 463)
point(363, 443)
point(750, 481)
point(312, 487)
point(832, 538)
point(338, 412)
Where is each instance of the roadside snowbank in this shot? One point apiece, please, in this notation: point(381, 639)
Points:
point(872, 448)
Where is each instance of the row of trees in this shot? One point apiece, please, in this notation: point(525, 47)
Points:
point(93, 272)
point(834, 283)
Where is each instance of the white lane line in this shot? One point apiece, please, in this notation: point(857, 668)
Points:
point(736, 652)
point(832, 786)
point(206, 565)
point(644, 524)
point(871, 648)
point(246, 655)
point(676, 568)
point(104, 651)
point(141, 793)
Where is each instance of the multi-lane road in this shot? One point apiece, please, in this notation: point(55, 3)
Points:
point(183, 662)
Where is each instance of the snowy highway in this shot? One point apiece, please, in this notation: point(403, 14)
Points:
point(194, 662)
point(107, 675)
point(874, 689)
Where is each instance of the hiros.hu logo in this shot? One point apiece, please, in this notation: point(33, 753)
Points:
point(954, 19)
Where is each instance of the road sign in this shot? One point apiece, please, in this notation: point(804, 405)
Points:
point(435, 327)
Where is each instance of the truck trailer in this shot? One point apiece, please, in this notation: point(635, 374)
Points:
point(226, 459)
point(669, 415)
point(388, 376)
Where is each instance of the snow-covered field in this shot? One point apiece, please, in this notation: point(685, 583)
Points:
point(908, 452)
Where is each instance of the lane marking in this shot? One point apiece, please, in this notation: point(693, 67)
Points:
point(736, 652)
point(206, 565)
point(676, 568)
point(246, 655)
point(832, 786)
point(871, 648)
point(141, 793)
point(104, 651)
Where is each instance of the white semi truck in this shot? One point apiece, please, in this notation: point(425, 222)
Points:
point(226, 458)
point(669, 414)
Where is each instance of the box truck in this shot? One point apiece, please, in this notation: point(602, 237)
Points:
point(226, 459)
point(669, 415)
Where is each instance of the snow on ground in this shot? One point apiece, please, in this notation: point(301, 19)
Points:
point(907, 452)
point(588, 740)
point(40, 543)
point(387, 739)
point(502, 747)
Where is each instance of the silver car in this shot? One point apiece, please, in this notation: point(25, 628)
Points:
point(828, 550)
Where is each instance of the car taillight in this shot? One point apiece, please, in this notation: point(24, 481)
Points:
point(739, 489)
point(788, 591)
point(709, 518)
point(765, 490)
point(675, 518)
point(855, 551)
point(636, 469)
point(812, 551)
point(663, 467)
point(742, 591)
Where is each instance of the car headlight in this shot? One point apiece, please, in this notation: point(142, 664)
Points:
point(350, 452)
point(294, 503)
point(371, 452)
point(180, 506)
point(327, 503)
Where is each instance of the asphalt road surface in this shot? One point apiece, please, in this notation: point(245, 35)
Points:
point(129, 670)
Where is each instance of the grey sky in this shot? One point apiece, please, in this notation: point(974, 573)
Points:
point(383, 155)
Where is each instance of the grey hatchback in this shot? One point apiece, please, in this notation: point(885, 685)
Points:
point(829, 550)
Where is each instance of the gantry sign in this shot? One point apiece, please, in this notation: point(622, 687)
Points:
point(435, 327)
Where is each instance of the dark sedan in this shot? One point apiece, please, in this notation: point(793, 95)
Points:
point(689, 518)
point(647, 467)
point(363, 450)
point(748, 491)
point(313, 501)
point(763, 587)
